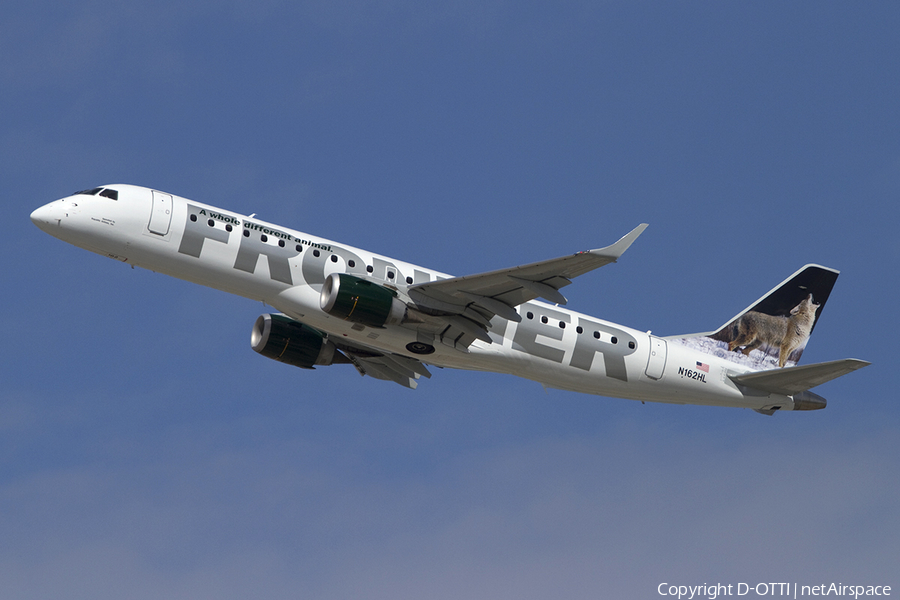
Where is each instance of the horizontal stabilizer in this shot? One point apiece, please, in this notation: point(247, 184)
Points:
point(792, 380)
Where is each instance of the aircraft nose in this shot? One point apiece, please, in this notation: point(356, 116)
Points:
point(45, 216)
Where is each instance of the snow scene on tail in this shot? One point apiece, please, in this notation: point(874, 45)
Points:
point(773, 332)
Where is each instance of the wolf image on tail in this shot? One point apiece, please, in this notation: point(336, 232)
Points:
point(778, 325)
point(787, 334)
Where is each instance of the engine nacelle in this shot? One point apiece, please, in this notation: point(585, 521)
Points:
point(360, 301)
point(283, 339)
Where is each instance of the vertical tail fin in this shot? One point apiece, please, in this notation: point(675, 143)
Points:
point(773, 331)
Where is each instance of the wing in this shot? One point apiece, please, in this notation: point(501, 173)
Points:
point(464, 306)
point(381, 365)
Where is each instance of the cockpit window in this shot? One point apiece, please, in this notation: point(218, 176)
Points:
point(106, 193)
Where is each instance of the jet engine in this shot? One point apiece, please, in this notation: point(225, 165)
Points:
point(283, 339)
point(360, 301)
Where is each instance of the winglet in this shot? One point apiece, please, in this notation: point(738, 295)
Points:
point(619, 248)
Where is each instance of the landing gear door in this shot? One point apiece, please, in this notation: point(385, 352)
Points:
point(161, 215)
point(657, 362)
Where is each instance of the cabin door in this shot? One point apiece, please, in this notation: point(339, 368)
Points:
point(657, 361)
point(161, 215)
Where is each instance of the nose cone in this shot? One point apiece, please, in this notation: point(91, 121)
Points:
point(46, 217)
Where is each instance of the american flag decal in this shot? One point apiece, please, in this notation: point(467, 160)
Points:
point(702, 367)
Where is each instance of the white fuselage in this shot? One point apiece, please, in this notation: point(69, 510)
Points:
point(284, 268)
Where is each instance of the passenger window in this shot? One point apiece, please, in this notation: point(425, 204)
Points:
point(562, 325)
point(193, 218)
point(334, 258)
point(409, 280)
point(530, 315)
point(615, 340)
point(544, 319)
point(579, 329)
point(228, 228)
point(211, 223)
point(281, 243)
point(316, 253)
point(369, 268)
point(264, 237)
point(390, 274)
point(351, 263)
point(246, 233)
point(597, 335)
point(299, 248)
point(631, 345)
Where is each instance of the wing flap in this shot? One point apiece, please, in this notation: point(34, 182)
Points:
point(498, 307)
point(793, 380)
point(378, 370)
point(398, 369)
point(389, 367)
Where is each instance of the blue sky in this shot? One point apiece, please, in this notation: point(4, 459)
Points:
point(146, 451)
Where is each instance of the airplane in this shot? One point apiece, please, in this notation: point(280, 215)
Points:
point(390, 319)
